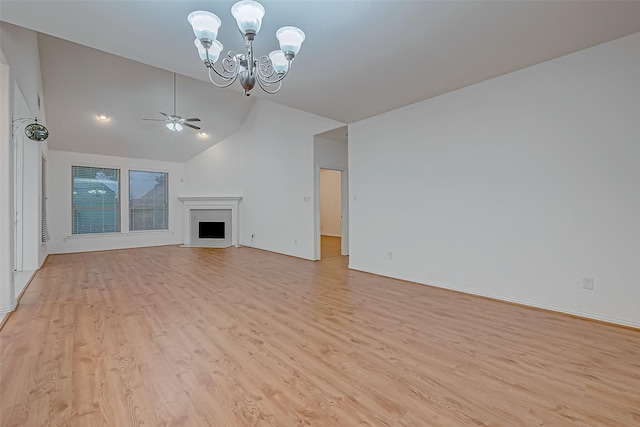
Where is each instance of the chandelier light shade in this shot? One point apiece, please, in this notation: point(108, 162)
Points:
point(205, 24)
point(214, 50)
point(267, 71)
point(248, 16)
point(279, 61)
point(290, 39)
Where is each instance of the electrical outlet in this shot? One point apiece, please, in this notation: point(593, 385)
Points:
point(390, 255)
point(587, 283)
point(295, 241)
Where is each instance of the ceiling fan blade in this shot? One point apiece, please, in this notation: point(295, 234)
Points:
point(166, 115)
point(191, 126)
point(156, 120)
point(193, 119)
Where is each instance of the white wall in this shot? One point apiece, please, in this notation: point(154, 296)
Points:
point(59, 178)
point(269, 162)
point(21, 89)
point(330, 203)
point(31, 203)
point(7, 289)
point(20, 49)
point(330, 154)
point(216, 171)
point(515, 188)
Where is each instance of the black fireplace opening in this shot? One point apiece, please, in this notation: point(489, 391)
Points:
point(211, 230)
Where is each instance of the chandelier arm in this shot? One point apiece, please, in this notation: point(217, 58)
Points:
point(229, 67)
point(265, 67)
point(265, 64)
point(278, 80)
point(228, 80)
point(222, 76)
point(264, 84)
point(231, 64)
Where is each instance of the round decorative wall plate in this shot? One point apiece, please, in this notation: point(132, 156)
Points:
point(36, 132)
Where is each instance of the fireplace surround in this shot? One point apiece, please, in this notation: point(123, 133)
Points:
point(211, 209)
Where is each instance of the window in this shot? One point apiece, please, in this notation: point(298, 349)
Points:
point(148, 197)
point(96, 200)
point(44, 231)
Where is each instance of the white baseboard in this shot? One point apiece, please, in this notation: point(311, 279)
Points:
point(563, 310)
point(4, 313)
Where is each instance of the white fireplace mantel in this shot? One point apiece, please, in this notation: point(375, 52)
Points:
point(226, 202)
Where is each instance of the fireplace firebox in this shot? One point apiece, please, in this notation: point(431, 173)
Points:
point(211, 230)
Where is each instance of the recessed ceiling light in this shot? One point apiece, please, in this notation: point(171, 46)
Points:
point(103, 117)
point(203, 134)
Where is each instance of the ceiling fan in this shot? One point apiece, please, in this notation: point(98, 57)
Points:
point(174, 122)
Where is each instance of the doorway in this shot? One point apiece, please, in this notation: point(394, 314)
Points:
point(330, 213)
point(331, 181)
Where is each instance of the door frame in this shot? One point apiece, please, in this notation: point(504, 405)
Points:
point(344, 206)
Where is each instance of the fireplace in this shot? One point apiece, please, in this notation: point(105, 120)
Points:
point(211, 222)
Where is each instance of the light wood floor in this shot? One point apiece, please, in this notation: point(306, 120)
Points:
point(241, 337)
point(330, 246)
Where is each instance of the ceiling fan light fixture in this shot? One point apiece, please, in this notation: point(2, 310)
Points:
point(174, 127)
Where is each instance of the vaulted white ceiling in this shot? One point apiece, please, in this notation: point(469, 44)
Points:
point(80, 82)
point(360, 58)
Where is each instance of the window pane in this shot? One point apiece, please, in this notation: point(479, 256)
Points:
point(148, 201)
point(96, 200)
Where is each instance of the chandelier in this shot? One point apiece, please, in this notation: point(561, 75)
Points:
point(267, 71)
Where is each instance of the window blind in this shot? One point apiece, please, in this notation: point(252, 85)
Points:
point(95, 200)
point(148, 200)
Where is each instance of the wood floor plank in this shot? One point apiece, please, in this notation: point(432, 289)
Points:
point(330, 246)
point(172, 336)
